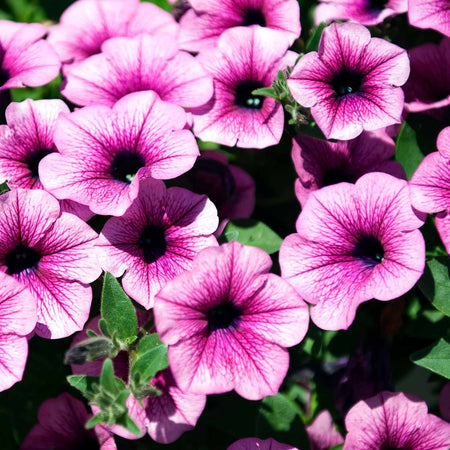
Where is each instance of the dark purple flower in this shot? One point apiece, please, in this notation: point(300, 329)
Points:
point(259, 444)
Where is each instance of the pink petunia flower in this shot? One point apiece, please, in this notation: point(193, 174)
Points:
point(427, 87)
point(52, 254)
point(352, 83)
point(17, 319)
point(322, 433)
point(61, 427)
point(395, 420)
point(201, 26)
point(245, 59)
point(365, 12)
point(430, 186)
point(157, 238)
point(322, 163)
point(433, 14)
point(228, 321)
point(166, 416)
point(26, 140)
point(258, 444)
point(140, 63)
point(354, 243)
point(102, 148)
point(25, 58)
point(84, 26)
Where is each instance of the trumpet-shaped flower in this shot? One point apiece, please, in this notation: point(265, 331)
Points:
point(84, 26)
point(433, 14)
point(354, 243)
point(202, 25)
point(245, 59)
point(52, 254)
point(102, 148)
point(352, 83)
point(156, 238)
point(228, 322)
point(140, 63)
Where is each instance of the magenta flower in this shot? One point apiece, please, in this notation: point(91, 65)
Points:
point(61, 427)
point(101, 149)
point(228, 321)
point(245, 59)
point(28, 139)
point(229, 187)
point(430, 185)
point(427, 88)
point(201, 26)
point(322, 433)
point(84, 26)
point(25, 58)
point(322, 163)
point(17, 319)
point(351, 84)
point(51, 253)
point(395, 420)
point(354, 243)
point(365, 12)
point(157, 238)
point(433, 14)
point(258, 444)
point(140, 63)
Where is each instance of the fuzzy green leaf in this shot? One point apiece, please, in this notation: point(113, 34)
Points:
point(436, 358)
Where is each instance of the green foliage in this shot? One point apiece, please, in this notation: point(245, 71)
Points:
point(436, 358)
point(408, 152)
point(88, 386)
point(313, 43)
point(252, 232)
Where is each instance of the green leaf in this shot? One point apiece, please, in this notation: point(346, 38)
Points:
point(435, 283)
point(251, 232)
point(88, 386)
point(337, 447)
point(149, 364)
point(127, 423)
point(118, 310)
point(266, 92)
point(104, 327)
point(408, 152)
point(148, 343)
point(107, 377)
point(96, 420)
point(313, 42)
point(436, 358)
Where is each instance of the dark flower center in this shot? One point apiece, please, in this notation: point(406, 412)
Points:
point(20, 259)
point(369, 250)
point(125, 165)
point(346, 82)
point(253, 16)
point(153, 243)
point(377, 5)
point(35, 158)
point(214, 179)
point(223, 316)
point(335, 176)
point(244, 96)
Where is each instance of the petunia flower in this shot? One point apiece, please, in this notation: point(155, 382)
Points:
point(433, 14)
point(444, 401)
point(365, 12)
point(166, 416)
point(352, 83)
point(354, 243)
point(62, 426)
point(430, 185)
point(17, 319)
point(427, 87)
point(156, 238)
point(228, 322)
point(322, 163)
point(84, 26)
point(52, 254)
point(245, 59)
point(395, 420)
point(140, 63)
point(202, 25)
point(322, 433)
point(258, 444)
point(25, 58)
point(26, 140)
point(102, 148)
